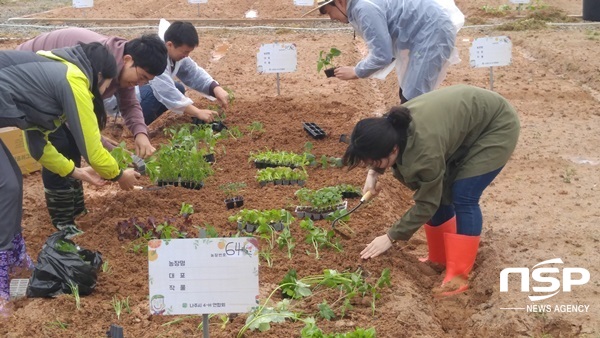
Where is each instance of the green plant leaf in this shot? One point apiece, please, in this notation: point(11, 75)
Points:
point(325, 311)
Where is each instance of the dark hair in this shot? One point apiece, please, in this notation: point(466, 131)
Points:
point(102, 62)
point(374, 138)
point(148, 52)
point(182, 33)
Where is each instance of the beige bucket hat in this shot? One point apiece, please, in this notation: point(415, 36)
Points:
point(319, 5)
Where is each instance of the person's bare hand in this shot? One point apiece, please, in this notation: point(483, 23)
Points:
point(143, 147)
point(128, 179)
point(345, 73)
point(378, 246)
point(371, 183)
point(88, 174)
point(222, 96)
point(206, 115)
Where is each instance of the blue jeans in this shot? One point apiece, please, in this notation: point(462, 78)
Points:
point(151, 107)
point(465, 203)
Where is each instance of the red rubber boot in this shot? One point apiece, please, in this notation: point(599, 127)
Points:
point(461, 252)
point(435, 241)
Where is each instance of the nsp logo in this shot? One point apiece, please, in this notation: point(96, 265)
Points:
point(540, 275)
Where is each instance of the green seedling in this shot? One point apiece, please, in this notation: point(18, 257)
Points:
point(286, 240)
point(117, 306)
point(105, 267)
point(568, 175)
point(266, 254)
point(75, 292)
point(325, 311)
point(58, 324)
point(231, 189)
point(319, 237)
point(262, 317)
point(186, 210)
point(326, 58)
point(230, 96)
point(256, 126)
point(122, 156)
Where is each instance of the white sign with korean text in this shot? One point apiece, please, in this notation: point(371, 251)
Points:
point(304, 2)
point(83, 3)
point(277, 58)
point(491, 52)
point(203, 275)
point(520, 1)
point(198, 1)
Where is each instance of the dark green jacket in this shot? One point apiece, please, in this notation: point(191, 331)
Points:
point(456, 132)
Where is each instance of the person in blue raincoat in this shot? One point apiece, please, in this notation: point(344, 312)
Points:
point(416, 37)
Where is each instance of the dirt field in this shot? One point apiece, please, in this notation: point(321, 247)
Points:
point(542, 206)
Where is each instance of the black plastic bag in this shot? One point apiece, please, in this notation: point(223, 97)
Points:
point(62, 263)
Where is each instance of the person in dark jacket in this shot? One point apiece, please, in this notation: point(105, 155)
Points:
point(39, 93)
point(138, 61)
point(447, 145)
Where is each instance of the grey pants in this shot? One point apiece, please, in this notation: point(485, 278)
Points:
point(11, 198)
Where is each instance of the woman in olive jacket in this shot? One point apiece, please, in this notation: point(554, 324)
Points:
point(38, 93)
point(447, 145)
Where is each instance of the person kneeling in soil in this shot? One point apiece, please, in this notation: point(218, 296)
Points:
point(41, 92)
point(138, 61)
point(162, 93)
point(447, 145)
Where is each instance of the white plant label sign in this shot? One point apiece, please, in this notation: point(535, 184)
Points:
point(304, 2)
point(83, 3)
point(491, 52)
point(520, 1)
point(198, 1)
point(203, 275)
point(277, 58)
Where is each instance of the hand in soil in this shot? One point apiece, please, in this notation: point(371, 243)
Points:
point(345, 73)
point(378, 246)
point(128, 179)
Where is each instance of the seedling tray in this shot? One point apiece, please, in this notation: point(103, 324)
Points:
point(306, 211)
point(314, 130)
point(250, 227)
point(262, 165)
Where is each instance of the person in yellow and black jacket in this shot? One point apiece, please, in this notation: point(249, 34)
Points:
point(38, 93)
point(447, 145)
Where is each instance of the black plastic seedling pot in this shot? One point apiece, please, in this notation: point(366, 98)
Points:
point(330, 72)
point(314, 130)
point(217, 126)
point(235, 202)
point(210, 158)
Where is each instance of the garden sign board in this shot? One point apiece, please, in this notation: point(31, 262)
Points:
point(277, 58)
point(83, 3)
point(491, 52)
point(203, 275)
point(304, 2)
